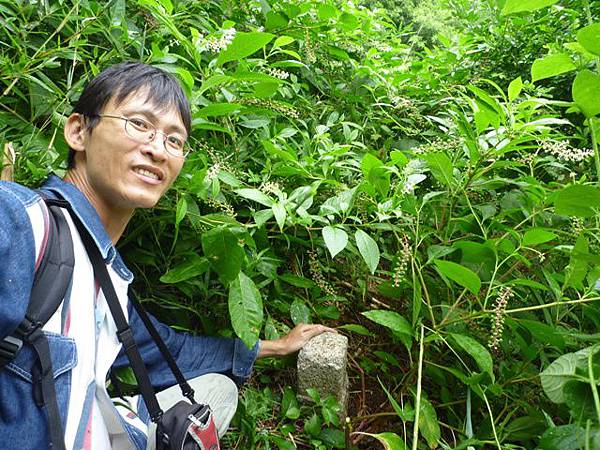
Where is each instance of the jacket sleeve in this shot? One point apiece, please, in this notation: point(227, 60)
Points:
point(195, 355)
point(17, 256)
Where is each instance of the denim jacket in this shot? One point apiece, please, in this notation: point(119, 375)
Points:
point(22, 423)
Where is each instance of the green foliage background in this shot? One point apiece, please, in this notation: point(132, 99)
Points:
point(422, 175)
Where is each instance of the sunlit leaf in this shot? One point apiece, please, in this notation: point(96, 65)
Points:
point(245, 309)
point(516, 6)
point(335, 239)
point(243, 45)
point(459, 274)
point(368, 249)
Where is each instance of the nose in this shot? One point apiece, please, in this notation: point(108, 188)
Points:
point(156, 147)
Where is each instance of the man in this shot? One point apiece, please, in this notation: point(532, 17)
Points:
point(127, 137)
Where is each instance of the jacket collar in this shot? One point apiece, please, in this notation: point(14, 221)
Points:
point(91, 220)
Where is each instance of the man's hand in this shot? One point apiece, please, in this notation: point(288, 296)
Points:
point(293, 341)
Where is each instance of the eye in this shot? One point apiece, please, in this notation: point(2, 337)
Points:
point(175, 141)
point(140, 124)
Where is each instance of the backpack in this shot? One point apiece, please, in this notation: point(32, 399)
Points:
point(50, 284)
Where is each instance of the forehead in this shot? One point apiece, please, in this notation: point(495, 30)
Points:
point(139, 102)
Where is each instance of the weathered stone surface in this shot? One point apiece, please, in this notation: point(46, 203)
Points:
point(322, 366)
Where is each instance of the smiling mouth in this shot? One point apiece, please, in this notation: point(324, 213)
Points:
point(147, 173)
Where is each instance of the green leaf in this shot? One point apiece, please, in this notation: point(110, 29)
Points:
point(181, 211)
point(244, 44)
point(282, 41)
point(589, 38)
point(407, 416)
point(514, 88)
point(428, 423)
point(459, 274)
point(280, 214)
point(441, 167)
point(578, 200)
point(537, 236)
point(245, 309)
point(219, 109)
point(477, 351)
point(256, 195)
point(354, 328)
point(193, 266)
point(564, 437)
point(578, 266)
point(368, 249)
point(562, 370)
point(543, 333)
point(335, 239)
point(389, 440)
point(550, 66)
point(391, 320)
point(223, 252)
point(586, 92)
point(297, 281)
point(517, 6)
point(326, 11)
point(289, 404)
point(299, 312)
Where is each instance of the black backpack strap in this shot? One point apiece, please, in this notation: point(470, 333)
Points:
point(124, 332)
point(186, 389)
point(50, 285)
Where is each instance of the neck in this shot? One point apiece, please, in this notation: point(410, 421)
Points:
point(113, 219)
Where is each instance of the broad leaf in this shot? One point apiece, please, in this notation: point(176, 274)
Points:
point(516, 6)
point(543, 333)
point(428, 423)
point(586, 92)
point(223, 252)
point(441, 167)
point(219, 109)
point(299, 312)
point(537, 236)
point(477, 351)
point(562, 369)
point(577, 200)
point(550, 66)
point(589, 38)
point(514, 88)
point(256, 195)
point(459, 274)
point(245, 309)
point(244, 44)
point(335, 239)
point(391, 320)
point(193, 266)
point(368, 249)
point(578, 266)
point(389, 440)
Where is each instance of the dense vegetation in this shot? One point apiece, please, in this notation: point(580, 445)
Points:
point(422, 175)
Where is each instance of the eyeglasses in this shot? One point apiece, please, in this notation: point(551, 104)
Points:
point(144, 132)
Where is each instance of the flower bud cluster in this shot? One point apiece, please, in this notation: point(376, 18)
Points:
point(224, 207)
point(213, 172)
point(217, 44)
point(278, 73)
point(402, 262)
point(317, 274)
point(309, 48)
point(498, 318)
point(563, 151)
point(280, 107)
point(270, 187)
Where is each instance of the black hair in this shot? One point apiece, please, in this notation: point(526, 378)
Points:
point(120, 81)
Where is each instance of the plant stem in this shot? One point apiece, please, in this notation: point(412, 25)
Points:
point(418, 400)
point(593, 385)
point(492, 420)
point(595, 146)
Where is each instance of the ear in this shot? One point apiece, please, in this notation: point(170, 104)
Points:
point(75, 131)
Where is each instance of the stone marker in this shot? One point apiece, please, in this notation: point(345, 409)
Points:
point(322, 366)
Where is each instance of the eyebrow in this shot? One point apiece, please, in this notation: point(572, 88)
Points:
point(153, 117)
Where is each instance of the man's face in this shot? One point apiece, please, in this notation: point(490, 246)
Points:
point(122, 173)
